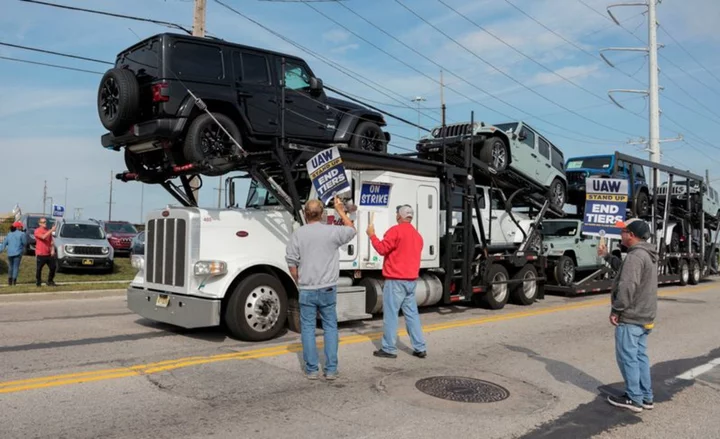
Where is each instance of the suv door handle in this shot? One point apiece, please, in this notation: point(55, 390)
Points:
point(534, 155)
point(289, 101)
point(546, 165)
point(244, 94)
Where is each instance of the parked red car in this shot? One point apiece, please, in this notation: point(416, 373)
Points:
point(120, 235)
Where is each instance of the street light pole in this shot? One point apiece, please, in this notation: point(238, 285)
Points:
point(66, 184)
point(418, 99)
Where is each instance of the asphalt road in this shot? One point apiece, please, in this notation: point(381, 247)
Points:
point(88, 368)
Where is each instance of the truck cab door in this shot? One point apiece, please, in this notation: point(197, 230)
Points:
point(307, 116)
point(426, 221)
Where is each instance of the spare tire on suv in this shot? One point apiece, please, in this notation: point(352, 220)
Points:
point(118, 100)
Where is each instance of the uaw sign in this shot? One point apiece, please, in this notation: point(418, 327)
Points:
point(327, 173)
point(605, 204)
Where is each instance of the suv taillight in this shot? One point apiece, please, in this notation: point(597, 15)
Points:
point(160, 92)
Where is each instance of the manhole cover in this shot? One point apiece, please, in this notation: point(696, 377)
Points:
point(460, 389)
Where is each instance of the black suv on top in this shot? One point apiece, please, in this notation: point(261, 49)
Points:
point(144, 103)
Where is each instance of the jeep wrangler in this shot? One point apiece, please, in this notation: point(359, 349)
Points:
point(146, 104)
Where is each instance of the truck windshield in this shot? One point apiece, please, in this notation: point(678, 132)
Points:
point(258, 196)
point(604, 163)
point(81, 231)
point(507, 126)
point(559, 228)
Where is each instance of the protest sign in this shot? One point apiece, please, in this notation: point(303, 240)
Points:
point(58, 211)
point(375, 195)
point(327, 173)
point(605, 204)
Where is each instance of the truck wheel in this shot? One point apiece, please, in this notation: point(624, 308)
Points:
point(684, 271)
point(257, 308)
point(497, 295)
point(694, 272)
point(369, 137)
point(206, 142)
point(494, 152)
point(118, 100)
point(557, 194)
point(642, 204)
point(526, 292)
point(565, 271)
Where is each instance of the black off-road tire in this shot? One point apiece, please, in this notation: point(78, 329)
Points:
point(695, 272)
point(495, 154)
point(642, 205)
point(557, 194)
point(118, 100)
point(206, 143)
point(236, 309)
point(561, 266)
point(368, 136)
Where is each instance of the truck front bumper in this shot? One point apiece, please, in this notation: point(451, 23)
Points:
point(175, 309)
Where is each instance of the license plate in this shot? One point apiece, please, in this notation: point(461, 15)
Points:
point(162, 300)
point(88, 262)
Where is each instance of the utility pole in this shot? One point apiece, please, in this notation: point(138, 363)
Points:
point(220, 191)
point(653, 91)
point(110, 203)
point(66, 184)
point(198, 31)
point(78, 213)
point(707, 176)
point(442, 98)
point(418, 99)
point(44, 196)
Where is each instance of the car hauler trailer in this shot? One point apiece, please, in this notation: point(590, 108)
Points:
point(204, 267)
point(673, 226)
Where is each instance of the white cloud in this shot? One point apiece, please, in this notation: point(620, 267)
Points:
point(19, 100)
point(336, 36)
point(345, 48)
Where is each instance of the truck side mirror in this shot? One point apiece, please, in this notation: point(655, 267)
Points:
point(316, 85)
point(231, 194)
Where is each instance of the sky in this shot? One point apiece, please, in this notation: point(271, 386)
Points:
point(532, 60)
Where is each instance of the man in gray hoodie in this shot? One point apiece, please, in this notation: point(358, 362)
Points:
point(634, 306)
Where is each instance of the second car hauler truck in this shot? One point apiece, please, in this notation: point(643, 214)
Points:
point(204, 267)
point(675, 222)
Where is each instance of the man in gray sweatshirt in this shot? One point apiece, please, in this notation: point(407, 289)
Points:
point(634, 307)
point(314, 262)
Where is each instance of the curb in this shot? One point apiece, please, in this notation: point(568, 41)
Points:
point(59, 295)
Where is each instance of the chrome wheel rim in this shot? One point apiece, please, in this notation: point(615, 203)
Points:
point(529, 286)
point(262, 308)
point(499, 291)
point(499, 157)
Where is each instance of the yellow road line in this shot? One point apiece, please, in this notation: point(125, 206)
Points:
point(274, 351)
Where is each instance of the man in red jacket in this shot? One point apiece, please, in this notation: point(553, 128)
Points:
point(402, 248)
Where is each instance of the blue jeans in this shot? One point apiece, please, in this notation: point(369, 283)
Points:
point(631, 353)
point(399, 294)
point(312, 302)
point(14, 266)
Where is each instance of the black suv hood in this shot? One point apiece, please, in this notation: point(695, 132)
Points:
point(342, 105)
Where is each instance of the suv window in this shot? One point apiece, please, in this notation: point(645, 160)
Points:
point(639, 172)
point(255, 69)
point(144, 59)
point(296, 77)
point(120, 228)
point(530, 137)
point(558, 160)
point(498, 201)
point(81, 231)
point(544, 147)
point(191, 60)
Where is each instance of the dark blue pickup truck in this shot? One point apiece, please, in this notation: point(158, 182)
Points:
point(578, 169)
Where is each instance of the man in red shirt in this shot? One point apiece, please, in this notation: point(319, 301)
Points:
point(402, 248)
point(44, 252)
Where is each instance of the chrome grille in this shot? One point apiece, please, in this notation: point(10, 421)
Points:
point(165, 251)
point(461, 129)
point(575, 177)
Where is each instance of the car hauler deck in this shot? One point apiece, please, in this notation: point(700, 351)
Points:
point(673, 228)
point(204, 267)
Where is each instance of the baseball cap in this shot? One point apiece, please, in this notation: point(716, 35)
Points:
point(17, 224)
point(636, 226)
point(405, 211)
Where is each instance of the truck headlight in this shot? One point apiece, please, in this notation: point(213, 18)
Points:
point(69, 248)
point(210, 268)
point(105, 250)
point(137, 262)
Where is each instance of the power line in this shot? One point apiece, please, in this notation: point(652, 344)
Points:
point(450, 88)
point(688, 53)
point(54, 53)
point(8, 58)
point(111, 14)
point(514, 79)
